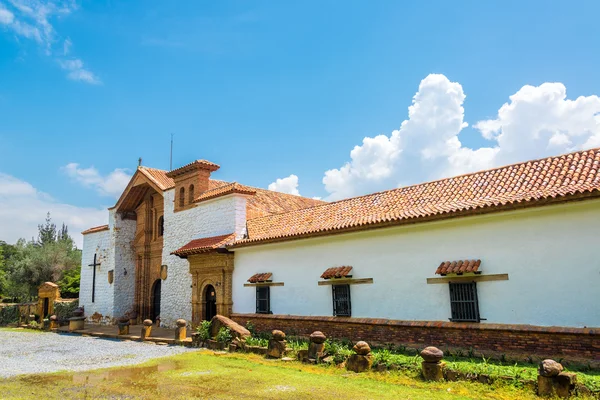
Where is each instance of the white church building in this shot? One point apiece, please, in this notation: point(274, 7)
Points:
point(502, 259)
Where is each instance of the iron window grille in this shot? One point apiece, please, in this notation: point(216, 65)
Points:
point(342, 306)
point(464, 303)
point(263, 300)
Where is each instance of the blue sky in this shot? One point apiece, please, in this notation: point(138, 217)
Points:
point(271, 89)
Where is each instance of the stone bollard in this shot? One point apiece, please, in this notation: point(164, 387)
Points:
point(277, 344)
point(363, 359)
point(553, 381)
point(432, 366)
point(123, 325)
point(77, 321)
point(181, 330)
point(317, 346)
point(146, 329)
point(53, 323)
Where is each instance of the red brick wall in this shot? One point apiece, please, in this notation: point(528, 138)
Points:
point(568, 343)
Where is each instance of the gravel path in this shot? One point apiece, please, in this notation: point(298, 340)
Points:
point(33, 353)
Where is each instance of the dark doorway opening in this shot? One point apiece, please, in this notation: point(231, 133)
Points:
point(46, 306)
point(210, 304)
point(155, 300)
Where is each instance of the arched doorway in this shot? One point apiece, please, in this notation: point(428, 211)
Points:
point(210, 302)
point(155, 300)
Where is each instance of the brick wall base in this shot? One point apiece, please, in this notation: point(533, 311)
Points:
point(575, 344)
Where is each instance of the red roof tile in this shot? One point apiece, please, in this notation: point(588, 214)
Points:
point(204, 245)
point(194, 165)
point(549, 180)
point(95, 229)
point(336, 272)
point(262, 277)
point(458, 267)
point(224, 190)
point(159, 177)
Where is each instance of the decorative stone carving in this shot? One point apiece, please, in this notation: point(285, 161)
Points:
point(236, 329)
point(316, 346)
point(432, 354)
point(181, 329)
point(277, 345)
point(164, 272)
point(146, 329)
point(363, 359)
point(553, 381)
point(362, 348)
point(111, 276)
point(550, 368)
point(432, 366)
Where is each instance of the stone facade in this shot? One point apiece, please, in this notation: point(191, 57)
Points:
point(124, 233)
point(102, 244)
point(211, 218)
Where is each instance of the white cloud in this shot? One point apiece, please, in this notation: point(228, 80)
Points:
point(23, 207)
point(536, 122)
point(77, 72)
point(287, 185)
point(31, 19)
point(112, 184)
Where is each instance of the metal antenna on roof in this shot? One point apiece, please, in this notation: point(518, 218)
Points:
point(171, 158)
point(140, 162)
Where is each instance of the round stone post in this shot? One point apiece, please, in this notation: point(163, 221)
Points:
point(123, 325)
point(53, 323)
point(77, 321)
point(553, 381)
point(363, 359)
point(146, 329)
point(317, 346)
point(181, 330)
point(277, 344)
point(432, 365)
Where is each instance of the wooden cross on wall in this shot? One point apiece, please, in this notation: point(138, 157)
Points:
point(95, 264)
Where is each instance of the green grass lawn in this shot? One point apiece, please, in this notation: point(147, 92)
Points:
point(204, 374)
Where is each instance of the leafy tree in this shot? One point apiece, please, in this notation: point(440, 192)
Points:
point(69, 284)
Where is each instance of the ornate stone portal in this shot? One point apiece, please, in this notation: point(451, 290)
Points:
point(48, 293)
point(212, 275)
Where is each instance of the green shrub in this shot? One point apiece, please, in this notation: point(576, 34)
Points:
point(224, 336)
point(9, 315)
point(204, 330)
point(254, 341)
point(64, 310)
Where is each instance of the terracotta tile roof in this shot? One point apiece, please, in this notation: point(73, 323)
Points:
point(262, 277)
point(554, 179)
point(223, 190)
point(458, 267)
point(159, 177)
point(194, 165)
point(266, 202)
point(204, 245)
point(336, 272)
point(95, 229)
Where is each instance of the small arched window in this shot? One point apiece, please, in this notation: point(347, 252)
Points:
point(181, 197)
point(191, 194)
point(161, 225)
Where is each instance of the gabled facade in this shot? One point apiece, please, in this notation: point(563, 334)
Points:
point(503, 259)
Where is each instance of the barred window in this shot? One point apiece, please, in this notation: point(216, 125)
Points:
point(464, 303)
point(341, 301)
point(263, 300)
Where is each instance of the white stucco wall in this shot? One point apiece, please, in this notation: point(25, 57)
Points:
point(550, 254)
point(102, 244)
point(211, 218)
point(124, 255)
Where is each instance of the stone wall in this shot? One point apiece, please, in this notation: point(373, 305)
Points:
point(496, 339)
point(100, 243)
point(124, 255)
point(211, 218)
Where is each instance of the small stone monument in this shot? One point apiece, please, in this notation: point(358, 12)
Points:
point(53, 322)
point(277, 344)
point(77, 321)
point(132, 317)
point(316, 346)
point(432, 365)
point(123, 325)
point(553, 381)
point(146, 329)
point(181, 330)
point(363, 359)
